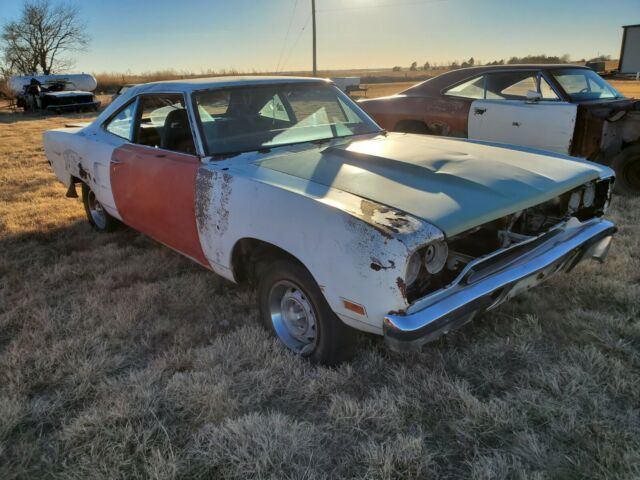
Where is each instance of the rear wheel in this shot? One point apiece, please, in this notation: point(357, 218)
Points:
point(96, 214)
point(627, 168)
point(295, 310)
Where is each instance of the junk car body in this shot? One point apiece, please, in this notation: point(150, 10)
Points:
point(286, 183)
point(55, 93)
point(562, 108)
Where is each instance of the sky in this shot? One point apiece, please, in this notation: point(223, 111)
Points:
point(137, 36)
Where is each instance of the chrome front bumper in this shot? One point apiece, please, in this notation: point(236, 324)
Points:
point(489, 281)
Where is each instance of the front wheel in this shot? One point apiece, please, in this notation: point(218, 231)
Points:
point(627, 168)
point(96, 214)
point(295, 310)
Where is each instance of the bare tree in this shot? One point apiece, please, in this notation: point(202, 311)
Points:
point(40, 39)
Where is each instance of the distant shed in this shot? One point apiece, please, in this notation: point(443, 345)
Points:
point(630, 52)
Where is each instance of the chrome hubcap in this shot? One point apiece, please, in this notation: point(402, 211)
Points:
point(98, 214)
point(293, 317)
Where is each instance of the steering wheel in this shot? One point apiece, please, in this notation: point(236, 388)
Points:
point(584, 90)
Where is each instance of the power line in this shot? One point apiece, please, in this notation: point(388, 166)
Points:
point(313, 23)
point(284, 43)
point(297, 40)
point(380, 5)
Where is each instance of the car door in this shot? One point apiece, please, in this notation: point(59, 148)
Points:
point(97, 150)
point(505, 115)
point(154, 176)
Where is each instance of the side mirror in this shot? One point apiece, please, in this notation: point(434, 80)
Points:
point(533, 96)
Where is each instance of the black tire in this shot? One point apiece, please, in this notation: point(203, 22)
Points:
point(98, 217)
point(627, 168)
point(334, 341)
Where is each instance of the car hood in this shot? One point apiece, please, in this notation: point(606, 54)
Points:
point(68, 93)
point(453, 184)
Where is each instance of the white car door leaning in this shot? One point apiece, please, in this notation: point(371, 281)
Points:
point(548, 125)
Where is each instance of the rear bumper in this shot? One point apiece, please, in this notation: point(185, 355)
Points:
point(488, 282)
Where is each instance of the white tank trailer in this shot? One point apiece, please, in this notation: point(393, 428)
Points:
point(75, 81)
point(55, 93)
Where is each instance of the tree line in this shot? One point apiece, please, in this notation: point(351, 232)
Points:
point(528, 59)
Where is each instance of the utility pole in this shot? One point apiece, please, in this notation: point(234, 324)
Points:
point(313, 21)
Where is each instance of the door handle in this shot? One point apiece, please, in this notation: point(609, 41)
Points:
point(479, 111)
point(116, 162)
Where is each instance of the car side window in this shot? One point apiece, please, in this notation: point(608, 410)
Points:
point(517, 90)
point(512, 85)
point(121, 124)
point(515, 85)
point(164, 123)
point(473, 88)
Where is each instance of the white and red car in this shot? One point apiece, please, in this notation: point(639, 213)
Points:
point(287, 183)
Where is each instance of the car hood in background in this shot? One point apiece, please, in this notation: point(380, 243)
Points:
point(68, 93)
point(453, 184)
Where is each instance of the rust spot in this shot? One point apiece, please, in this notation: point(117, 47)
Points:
point(204, 184)
point(213, 192)
point(402, 286)
point(377, 265)
point(212, 197)
point(221, 208)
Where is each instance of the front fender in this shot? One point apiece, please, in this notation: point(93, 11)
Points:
point(355, 249)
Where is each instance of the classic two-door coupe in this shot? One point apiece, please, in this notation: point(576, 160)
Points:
point(286, 183)
point(562, 108)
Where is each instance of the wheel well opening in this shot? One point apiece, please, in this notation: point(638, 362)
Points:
point(411, 126)
point(249, 253)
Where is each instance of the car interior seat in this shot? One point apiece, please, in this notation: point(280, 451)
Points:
point(176, 134)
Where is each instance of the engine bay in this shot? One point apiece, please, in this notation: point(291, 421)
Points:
point(583, 203)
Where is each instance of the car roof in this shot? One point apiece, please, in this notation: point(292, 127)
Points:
point(193, 84)
point(452, 77)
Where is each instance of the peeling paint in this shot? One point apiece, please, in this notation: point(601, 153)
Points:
point(213, 192)
point(402, 286)
point(71, 161)
point(204, 186)
point(377, 265)
point(386, 220)
point(222, 206)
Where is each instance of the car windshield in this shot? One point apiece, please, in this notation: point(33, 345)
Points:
point(253, 118)
point(583, 84)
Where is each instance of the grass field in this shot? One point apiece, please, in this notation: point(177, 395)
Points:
point(121, 359)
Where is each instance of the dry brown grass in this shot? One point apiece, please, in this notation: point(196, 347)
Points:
point(121, 359)
point(109, 82)
point(629, 88)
